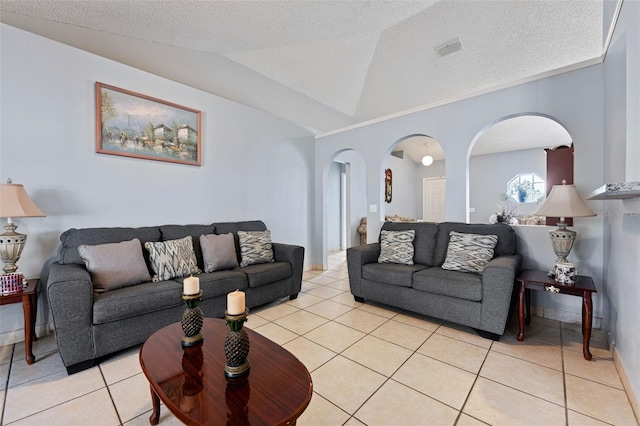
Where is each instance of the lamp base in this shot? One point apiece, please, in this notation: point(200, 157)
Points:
point(11, 246)
point(562, 240)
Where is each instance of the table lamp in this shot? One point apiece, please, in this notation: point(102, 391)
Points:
point(14, 202)
point(563, 201)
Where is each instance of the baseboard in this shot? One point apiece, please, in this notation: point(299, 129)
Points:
point(563, 316)
point(16, 336)
point(633, 398)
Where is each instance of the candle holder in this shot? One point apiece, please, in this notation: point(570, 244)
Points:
point(192, 319)
point(236, 345)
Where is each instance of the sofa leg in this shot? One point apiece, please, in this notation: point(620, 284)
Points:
point(358, 299)
point(76, 368)
point(293, 296)
point(488, 335)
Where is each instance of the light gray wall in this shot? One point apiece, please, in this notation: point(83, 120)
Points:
point(575, 99)
point(403, 201)
point(488, 177)
point(254, 165)
point(334, 205)
point(356, 192)
point(621, 290)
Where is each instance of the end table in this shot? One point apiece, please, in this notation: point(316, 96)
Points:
point(29, 299)
point(539, 280)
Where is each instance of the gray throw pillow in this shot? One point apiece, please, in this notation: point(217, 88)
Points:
point(397, 247)
point(469, 252)
point(218, 252)
point(255, 247)
point(172, 259)
point(115, 265)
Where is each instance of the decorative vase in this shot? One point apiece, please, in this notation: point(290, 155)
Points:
point(236, 346)
point(192, 319)
point(522, 195)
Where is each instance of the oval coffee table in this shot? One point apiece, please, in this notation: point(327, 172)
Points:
point(192, 384)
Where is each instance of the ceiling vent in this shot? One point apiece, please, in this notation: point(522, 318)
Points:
point(449, 47)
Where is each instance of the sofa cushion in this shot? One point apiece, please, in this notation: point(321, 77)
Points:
point(255, 247)
point(469, 252)
point(506, 237)
point(424, 241)
point(391, 273)
point(456, 284)
point(396, 247)
point(115, 265)
point(175, 232)
point(220, 283)
point(266, 273)
point(74, 238)
point(172, 259)
point(136, 300)
point(218, 252)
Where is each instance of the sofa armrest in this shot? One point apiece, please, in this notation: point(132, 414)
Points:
point(70, 295)
point(356, 257)
point(498, 281)
point(295, 256)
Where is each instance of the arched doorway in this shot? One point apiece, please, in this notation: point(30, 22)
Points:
point(508, 157)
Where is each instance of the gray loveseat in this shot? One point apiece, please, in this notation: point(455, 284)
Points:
point(91, 325)
point(481, 301)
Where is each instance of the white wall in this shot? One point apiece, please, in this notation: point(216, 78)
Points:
point(622, 217)
point(254, 165)
point(356, 192)
point(574, 98)
point(334, 205)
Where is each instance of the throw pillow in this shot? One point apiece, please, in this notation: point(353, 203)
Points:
point(255, 247)
point(218, 252)
point(115, 265)
point(469, 252)
point(396, 247)
point(172, 259)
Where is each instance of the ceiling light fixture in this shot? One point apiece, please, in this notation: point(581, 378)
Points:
point(427, 160)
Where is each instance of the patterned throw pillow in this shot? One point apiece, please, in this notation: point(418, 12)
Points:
point(172, 259)
point(469, 252)
point(255, 247)
point(396, 247)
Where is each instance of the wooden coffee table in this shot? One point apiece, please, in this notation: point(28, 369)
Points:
point(192, 384)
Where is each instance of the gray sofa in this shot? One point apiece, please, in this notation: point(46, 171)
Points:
point(91, 325)
point(481, 301)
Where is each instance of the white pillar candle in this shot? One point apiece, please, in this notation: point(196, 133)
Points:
point(191, 285)
point(235, 303)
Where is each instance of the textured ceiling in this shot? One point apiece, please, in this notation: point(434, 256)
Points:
point(347, 61)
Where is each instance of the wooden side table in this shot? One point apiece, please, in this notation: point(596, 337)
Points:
point(29, 299)
point(539, 280)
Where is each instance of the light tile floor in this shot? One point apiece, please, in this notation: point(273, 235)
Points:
point(370, 365)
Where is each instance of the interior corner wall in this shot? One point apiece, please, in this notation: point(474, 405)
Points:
point(622, 217)
point(254, 165)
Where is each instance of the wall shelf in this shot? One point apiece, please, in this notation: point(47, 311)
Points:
point(616, 191)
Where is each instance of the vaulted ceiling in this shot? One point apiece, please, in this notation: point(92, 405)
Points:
point(329, 64)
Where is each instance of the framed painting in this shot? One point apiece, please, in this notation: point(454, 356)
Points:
point(134, 125)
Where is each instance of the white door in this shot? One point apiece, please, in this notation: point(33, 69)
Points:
point(433, 190)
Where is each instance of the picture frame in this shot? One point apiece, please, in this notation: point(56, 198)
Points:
point(131, 124)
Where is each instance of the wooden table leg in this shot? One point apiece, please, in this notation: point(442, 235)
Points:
point(527, 301)
point(155, 402)
point(521, 311)
point(587, 318)
point(34, 314)
point(28, 327)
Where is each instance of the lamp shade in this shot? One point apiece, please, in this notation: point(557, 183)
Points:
point(14, 202)
point(564, 201)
